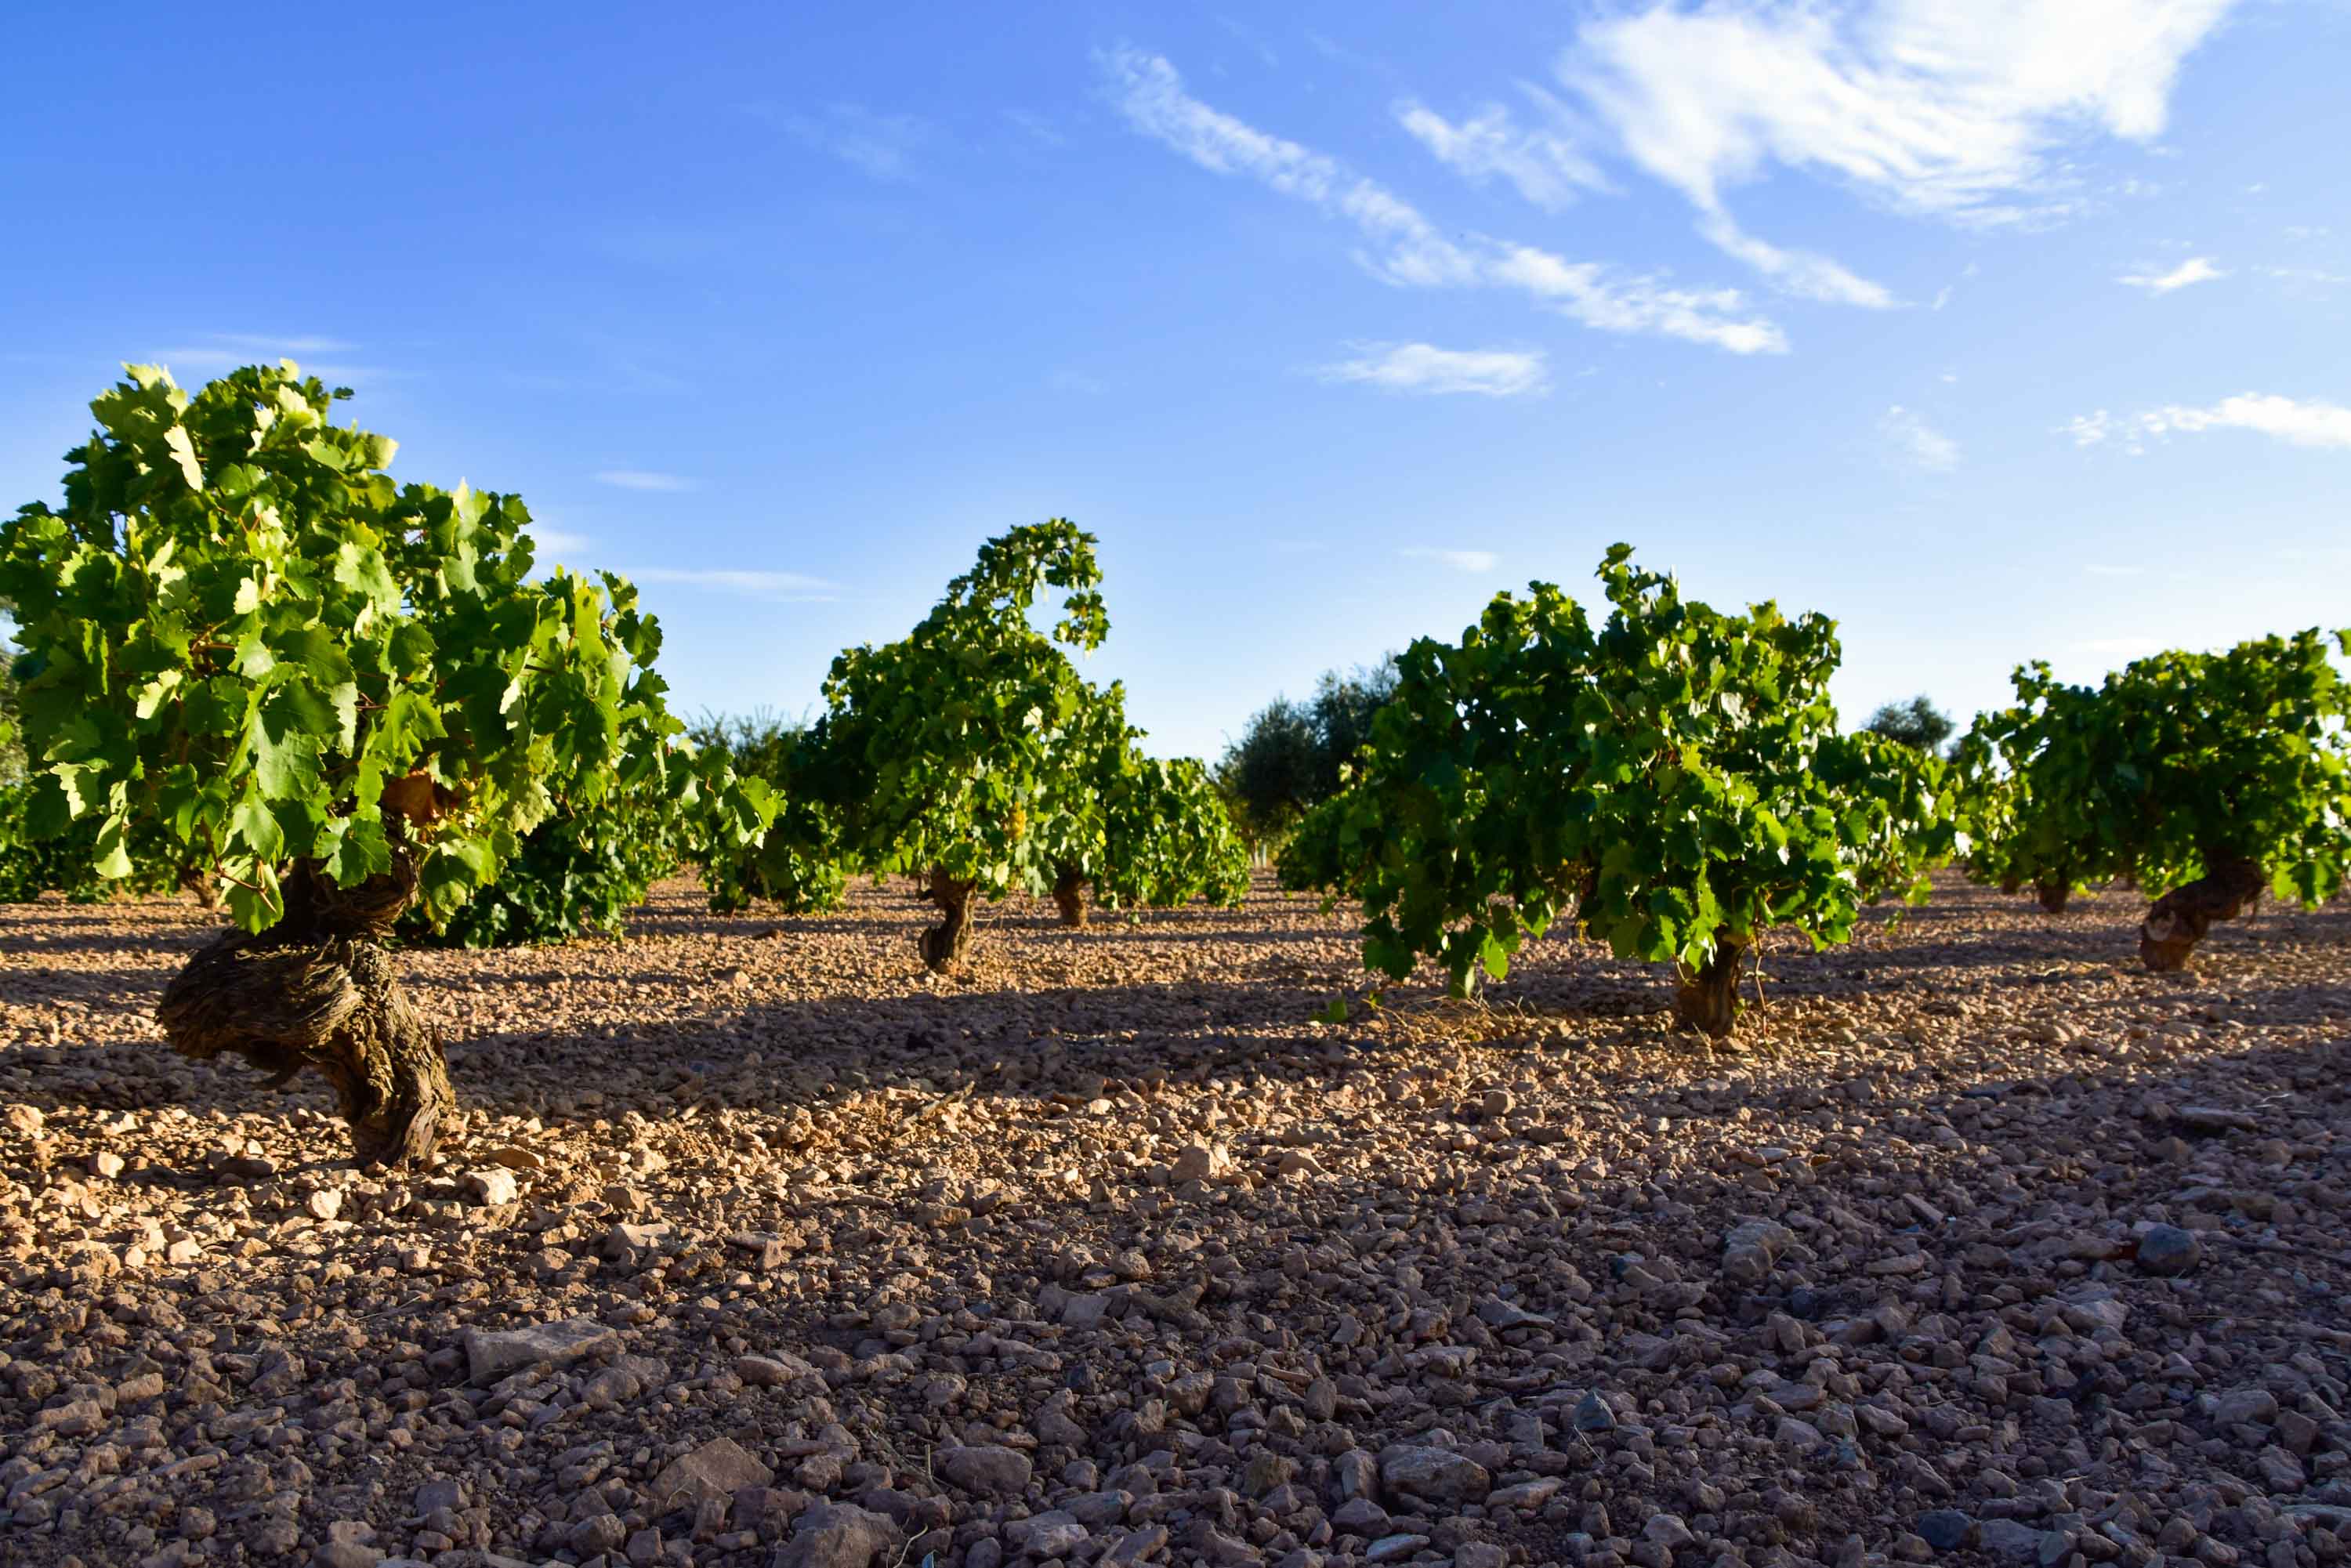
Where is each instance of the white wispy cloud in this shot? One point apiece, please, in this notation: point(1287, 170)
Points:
point(1546, 167)
point(880, 145)
point(1917, 443)
point(2295, 423)
point(2195, 269)
point(787, 585)
point(268, 343)
point(1799, 272)
point(558, 542)
point(215, 351)
point(642, 479)
point(1401, 246)
point(2090, 429)
point(1424, 368)
point(1037, 128)
point(1939, 108)
point(2315, 275)
point(1468, 561)
point(2265, 414)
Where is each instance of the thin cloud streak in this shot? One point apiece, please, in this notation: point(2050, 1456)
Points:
point(2316, 424)
point(221, 351)
point(2195, 269)
point(1425, 368)
point(880, 146)
point(1545, 167)
point(643, 479)
point(790, 586)
point(1917, 443)
point(1401, 245)
point(555, 541)
point(1473, 561)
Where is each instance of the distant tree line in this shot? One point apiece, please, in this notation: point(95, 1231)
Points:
point(1918, 723)
point(1292, 755)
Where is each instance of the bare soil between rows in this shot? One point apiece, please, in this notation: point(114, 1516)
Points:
point(1981, 1245)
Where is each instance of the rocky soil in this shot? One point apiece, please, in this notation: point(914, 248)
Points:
point(757, 1246)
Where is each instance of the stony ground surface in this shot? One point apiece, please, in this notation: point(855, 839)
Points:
point(757, 1246)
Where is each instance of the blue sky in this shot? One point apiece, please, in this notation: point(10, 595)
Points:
point(1996, 330)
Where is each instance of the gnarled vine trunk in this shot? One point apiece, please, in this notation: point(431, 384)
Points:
point(2178, 920)
point(203, 884)
point(2052, 895)
point(1708, 998)
point(943, 943)
point(318, 990)
point(1069, 893)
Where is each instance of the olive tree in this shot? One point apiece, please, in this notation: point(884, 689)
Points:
point(1292, 755)
point(341, 695)
point(1917, 723)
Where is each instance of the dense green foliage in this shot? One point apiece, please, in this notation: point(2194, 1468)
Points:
point(1162, 834)
point(12, 740)
point(1918, 723)
point(943, 753)
point(243, 635)
point(1070, 822)
point(1672, 779)
point(1138, 830)
point(64, 861)
point(1169, 840)
point(972, 755)
point(2176, 765)
point(1293, 756)
point(578, 874)
point(798, 863)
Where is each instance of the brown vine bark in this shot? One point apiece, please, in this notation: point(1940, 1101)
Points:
point(1069, 893)
point(203, 884)
point(1708, 998)
point(944, 944)
point(2178, 920)
point(318, 990)
point(2053, 896)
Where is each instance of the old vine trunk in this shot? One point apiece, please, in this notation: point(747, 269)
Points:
point(1706, 1000)
point(1069, 893)
point(318, 990)
point(2178, 920)
point(2052, 895)
point(944, 944)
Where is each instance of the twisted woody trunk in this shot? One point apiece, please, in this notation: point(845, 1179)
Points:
point(2178, 920)
point(1070, 894)
point(944, 944)
point(320, 990)
point(1706, 999)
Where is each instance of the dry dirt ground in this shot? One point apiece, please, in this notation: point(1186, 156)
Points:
point(755, 1245)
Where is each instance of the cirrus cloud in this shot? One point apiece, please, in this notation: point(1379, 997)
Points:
point(1474, 562)
point(2195, 269)
point(642, 479)
point(1400, 245)
point(791, 586)
point(1917, 444)
point(1427, 369)
point(1966, 112)
point(2296, 422)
